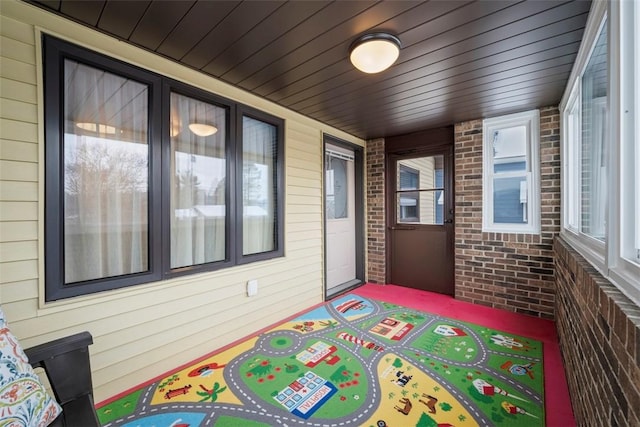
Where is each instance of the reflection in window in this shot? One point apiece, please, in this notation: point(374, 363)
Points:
point(259, 158)
point(198, 184)
point(106, 165)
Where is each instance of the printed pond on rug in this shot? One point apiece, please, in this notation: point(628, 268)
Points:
point(352, 361)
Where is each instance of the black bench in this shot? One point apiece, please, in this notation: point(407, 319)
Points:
point(67, 366)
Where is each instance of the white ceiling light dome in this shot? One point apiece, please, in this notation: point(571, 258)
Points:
point(375, 52)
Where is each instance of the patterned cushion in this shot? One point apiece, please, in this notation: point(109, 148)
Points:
point(23, 399)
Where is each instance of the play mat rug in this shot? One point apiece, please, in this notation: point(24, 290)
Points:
point(352, 361)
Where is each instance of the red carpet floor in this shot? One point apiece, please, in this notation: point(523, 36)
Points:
point(557, 401)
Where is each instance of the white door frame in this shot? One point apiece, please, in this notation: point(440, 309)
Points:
point(339, 146)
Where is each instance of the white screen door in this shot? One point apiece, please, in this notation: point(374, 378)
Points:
point(340, 216)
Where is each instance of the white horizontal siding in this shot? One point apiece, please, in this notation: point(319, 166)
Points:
point(17, 30)
point(18, 110)
point(19, 291)
point(15, 90)
point(15, 231)
point(16, 271)
point(17, 251)
point(17, 50)
point(18, 150)
point(17, 191)
point(18, 171)
point(18, 211)
point(143, 331)
point(17, 71)
point(18, 131)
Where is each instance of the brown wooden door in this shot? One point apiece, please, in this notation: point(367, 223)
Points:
point(420, 220)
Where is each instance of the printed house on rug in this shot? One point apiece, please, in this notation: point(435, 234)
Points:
point(178, 177)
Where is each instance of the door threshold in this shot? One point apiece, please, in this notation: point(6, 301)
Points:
point(342, 288)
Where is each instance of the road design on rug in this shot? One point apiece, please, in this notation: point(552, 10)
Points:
point(353, 361)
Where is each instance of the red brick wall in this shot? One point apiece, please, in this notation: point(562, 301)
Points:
point(376, 219)
point(599, 331)
point(508, 271)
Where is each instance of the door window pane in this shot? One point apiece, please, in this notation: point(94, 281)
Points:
point(408, 207)
point(420, 190)
point(259, 159)
point(408, 202)
point(198, 181)
point(106, 168)
point(337, 205)
point(594, 150)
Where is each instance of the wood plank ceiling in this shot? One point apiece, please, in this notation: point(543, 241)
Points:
point(460, 60)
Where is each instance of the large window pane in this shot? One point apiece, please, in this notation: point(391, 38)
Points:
point(594, 141)
point(259, 157)
point(106, 166)
point(198, 181)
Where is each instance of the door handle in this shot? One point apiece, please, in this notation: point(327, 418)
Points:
point(448, 221)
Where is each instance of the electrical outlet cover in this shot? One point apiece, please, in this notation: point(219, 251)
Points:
point(252, 288)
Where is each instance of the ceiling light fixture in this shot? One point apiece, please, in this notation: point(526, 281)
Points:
point(375, 52)
point(202, 129)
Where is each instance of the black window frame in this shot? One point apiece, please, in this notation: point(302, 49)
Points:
point(173, 86)
point(242, 111)
point(55, 51)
